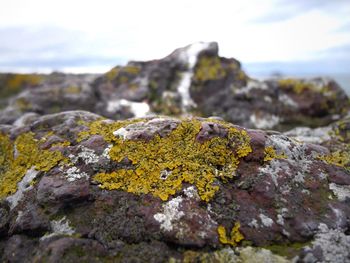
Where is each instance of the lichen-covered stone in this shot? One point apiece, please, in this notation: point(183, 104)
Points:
point(77, 186)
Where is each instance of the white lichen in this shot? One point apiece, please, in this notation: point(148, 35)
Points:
point(171, 213)
point(74, 173)
point(251, 85)
point(106, 151)
point(59, 227)
point(88, 156)
point(265, 220)
point(266, 121)
point(121, 133)
point(288, 101)
point(254, 223)
point(305, 134)
point(342, 192)
point(23, 186)
point(191, 192)
point(333, 243)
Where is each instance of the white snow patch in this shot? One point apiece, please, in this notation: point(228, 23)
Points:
point(265, 220)
point(189, 56)
point(340, 191)
point(170, 214)
point(266, 122)
point(138, 109)
point(22, 187)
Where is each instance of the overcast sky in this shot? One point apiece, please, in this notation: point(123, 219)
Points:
point(93, 36)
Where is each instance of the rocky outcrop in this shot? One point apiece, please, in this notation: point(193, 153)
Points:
point(44, 94)
point(193, 80)
point(74, 187)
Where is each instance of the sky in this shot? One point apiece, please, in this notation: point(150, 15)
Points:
point(310, 36)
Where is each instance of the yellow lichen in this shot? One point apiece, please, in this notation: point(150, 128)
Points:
point(271, 154)
point(13, 83)
point(338, 158)
point(185, 159)
point(112, 74)
point(72, 90)
point(296, 85)
point(208, 68)
point(18, 157)
point(235, 236)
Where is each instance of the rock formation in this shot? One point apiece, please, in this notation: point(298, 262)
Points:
point(193, 80)
point(74, 185)
point(188, 179)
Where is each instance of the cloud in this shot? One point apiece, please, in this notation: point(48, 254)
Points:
point(285, 9)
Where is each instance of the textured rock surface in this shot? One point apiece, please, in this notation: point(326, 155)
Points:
point(75, 187)
point(197, 80)
point(43, 94)
point(193, 80)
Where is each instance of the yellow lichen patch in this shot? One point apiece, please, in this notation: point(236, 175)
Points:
point(208, 68)
point(113, 73)
point(299, 86)
point(72, 90)
point(271, 154)
point(184, 159)
point(338, 158)
point(234, 238)
point(104, 128)
point(11, 84)
point(16, 158)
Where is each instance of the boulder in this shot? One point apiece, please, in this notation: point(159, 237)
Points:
point(75, 186)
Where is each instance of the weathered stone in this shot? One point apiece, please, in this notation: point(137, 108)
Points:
point(168, 186)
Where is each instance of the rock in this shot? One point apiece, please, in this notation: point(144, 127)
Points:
point(195, 79)
point(75, 186)
point(44, 94)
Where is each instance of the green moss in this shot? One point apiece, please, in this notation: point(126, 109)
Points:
point(208, 68)
point(185, 159)
point(28, 154)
